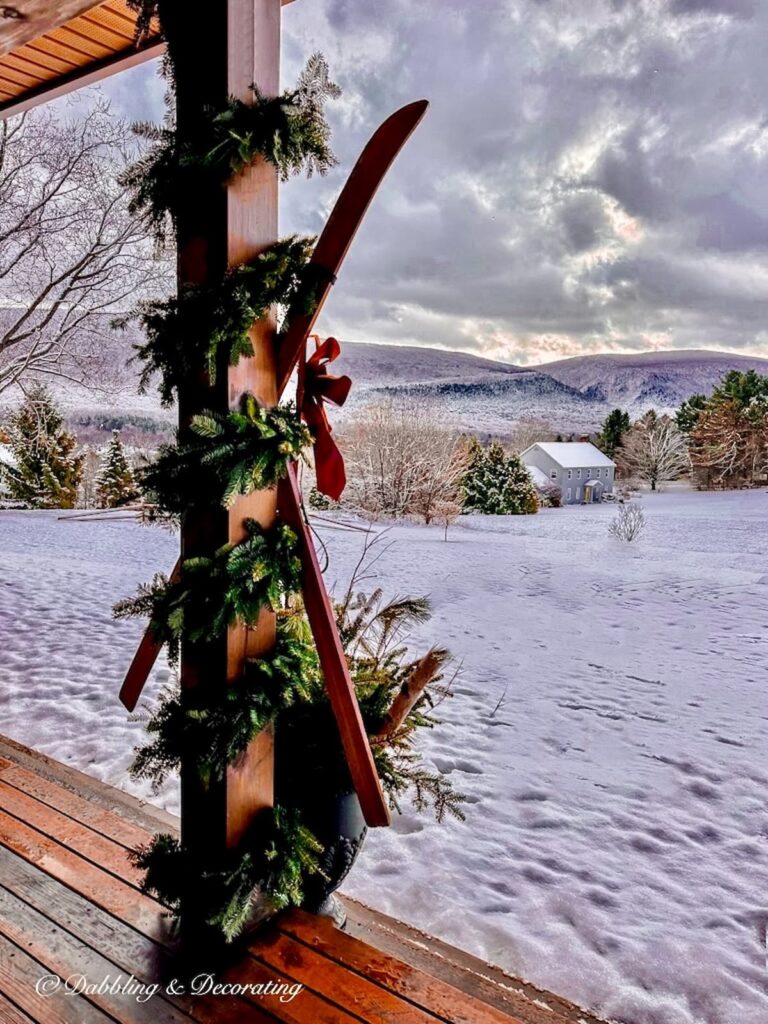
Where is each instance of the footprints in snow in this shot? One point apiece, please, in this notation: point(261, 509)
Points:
point(447, 766)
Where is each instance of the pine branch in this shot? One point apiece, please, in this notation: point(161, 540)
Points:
point(245, 450)
point(211, 594)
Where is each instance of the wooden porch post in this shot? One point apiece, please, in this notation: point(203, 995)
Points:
point(222, 49)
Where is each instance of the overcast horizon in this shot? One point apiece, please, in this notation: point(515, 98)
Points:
point(585, 181)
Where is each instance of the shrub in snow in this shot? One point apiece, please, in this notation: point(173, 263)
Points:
point(551, 496)
point(402, 459)
point(446, 513)
point(629, 523)
point(497, 484)
point(316, 499)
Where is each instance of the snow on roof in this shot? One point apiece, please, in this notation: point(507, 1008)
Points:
point(6, 456)
point(538, 476)
point(573, 454)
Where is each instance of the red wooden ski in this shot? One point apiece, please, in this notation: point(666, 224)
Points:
point(338, 682)
point(323, 267)
point(346, 217)
point(327, 258)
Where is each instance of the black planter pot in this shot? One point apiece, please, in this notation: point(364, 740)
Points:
point(337, 822)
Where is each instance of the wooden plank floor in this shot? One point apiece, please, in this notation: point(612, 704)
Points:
point(71, 910)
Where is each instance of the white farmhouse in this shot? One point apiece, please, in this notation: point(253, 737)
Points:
point(581, 471)
point(6, 459)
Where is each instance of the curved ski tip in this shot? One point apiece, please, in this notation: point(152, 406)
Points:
point(418, 106)
point(412, 112)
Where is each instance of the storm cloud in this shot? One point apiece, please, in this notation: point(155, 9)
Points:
point(590, 177)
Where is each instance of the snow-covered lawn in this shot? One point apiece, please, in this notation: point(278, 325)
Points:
point(610, 727)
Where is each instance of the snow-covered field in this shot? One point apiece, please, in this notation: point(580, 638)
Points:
point(610, 727)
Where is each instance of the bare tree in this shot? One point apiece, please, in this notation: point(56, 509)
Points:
point(446, 513)
point(654, 450)
point(91, 466)
point(402, 459)
point(628, 523)
point(71, 256)
point(528, 431)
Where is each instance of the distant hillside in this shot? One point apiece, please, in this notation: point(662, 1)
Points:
point(478, 394)
point(661, 380)
point(377, 365)
point(573, 394)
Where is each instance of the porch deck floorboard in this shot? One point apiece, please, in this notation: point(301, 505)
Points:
point(70, 908)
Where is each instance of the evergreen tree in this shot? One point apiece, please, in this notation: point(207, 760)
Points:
point(741, 388)
point(47, 471)
point(728, 432)
point(115, 484)
point(496, 483)
point(615, 425)
point(687, 416)
point(474, 482)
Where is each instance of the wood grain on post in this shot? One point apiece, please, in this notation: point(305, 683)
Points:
point(235, 44)
point(253, 57)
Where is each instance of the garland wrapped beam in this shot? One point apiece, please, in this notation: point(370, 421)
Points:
point(199, 180)
point(318, 277)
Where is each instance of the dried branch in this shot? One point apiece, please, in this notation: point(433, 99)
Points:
point(422, 674)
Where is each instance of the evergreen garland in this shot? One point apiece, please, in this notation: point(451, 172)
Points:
point(186, 334)
point(245, 450)
point(211, 594)
point(146, 13)
point(290, 131)
point(215, 735)
point(273, 864)
point(219, 457)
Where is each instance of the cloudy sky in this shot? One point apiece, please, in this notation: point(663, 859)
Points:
point(590, 177)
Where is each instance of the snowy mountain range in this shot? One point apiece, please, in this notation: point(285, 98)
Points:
point(573, 394)
point(661, 380)
point(475, 393)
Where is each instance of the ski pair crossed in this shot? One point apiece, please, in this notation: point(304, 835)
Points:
point(324, 266)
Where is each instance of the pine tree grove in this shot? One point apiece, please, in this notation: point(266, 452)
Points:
point(729, 435)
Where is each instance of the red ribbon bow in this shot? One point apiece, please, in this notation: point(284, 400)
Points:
point(317, 387)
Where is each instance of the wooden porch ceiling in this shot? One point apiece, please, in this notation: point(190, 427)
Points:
point(50, 47)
